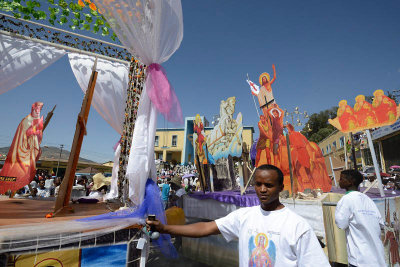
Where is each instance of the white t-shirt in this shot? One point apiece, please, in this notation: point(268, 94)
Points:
point(358, 215)
point(272, 238)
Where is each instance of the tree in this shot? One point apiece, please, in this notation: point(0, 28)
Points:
point(318, 123)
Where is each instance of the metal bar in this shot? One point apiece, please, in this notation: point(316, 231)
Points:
point(329, 204)
point(64, 31)
point(75, 50)
point(376, 166)
point(333, 171)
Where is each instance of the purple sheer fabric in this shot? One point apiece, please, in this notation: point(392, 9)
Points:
point(162, 94)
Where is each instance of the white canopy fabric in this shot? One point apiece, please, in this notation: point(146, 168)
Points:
point(21, 59)
point(152, 30)
point(109, 95)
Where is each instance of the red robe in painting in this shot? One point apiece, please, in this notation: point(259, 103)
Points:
point(346, 118)
point(318, 169)
point(22, 156)
point(364, 114)
point(385, 110)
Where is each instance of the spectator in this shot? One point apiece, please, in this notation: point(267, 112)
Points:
point(57, 183)
point(165, 193)
point(42, 191)
point(358, 215)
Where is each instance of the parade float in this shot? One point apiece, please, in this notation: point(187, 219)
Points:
point(110, 75)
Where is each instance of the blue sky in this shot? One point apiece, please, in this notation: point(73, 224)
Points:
point(324, 51)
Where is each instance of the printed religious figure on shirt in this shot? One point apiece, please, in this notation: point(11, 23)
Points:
point(262, 251)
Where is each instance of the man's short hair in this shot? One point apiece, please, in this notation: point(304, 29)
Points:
point(267, 167)
point(353, 176)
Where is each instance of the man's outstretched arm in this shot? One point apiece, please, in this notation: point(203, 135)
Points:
point(200, 229)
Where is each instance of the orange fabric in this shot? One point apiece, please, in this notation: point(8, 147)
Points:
point(23, 153)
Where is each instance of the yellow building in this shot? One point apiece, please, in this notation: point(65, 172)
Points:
point(176, 144)
point(333, 149)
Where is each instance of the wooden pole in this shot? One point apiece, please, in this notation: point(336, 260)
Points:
point(64, 193)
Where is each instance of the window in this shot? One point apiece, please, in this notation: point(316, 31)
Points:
point(169, 156)
point(174, 140)
point(156, 141)
point(341, 141)
point(323, 151)
point(327, 149)
point(334, 144)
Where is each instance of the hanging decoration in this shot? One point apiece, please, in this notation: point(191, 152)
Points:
point(77, 14)
point(135, 88)
point(12, 25)
point(382, 112)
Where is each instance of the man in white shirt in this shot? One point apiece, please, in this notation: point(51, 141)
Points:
point(358, 215)
point(269, 234)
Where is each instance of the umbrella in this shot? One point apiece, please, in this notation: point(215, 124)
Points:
point(188, 175)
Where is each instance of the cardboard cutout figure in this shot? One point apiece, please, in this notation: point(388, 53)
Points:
point(226, 137)
point(384, 108)
point(198, 128)
point(20, 166)
point(382, 112)
point(265, 95)
point(264, 143)
point(308, 163)
point(363, 112)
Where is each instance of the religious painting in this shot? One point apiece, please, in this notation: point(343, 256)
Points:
point(307, 162)
point(226, 138)
point(383, 111)
point(199, 139)
point(20, 165)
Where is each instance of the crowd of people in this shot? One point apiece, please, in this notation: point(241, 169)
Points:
point(175, 181)
point(43, 185)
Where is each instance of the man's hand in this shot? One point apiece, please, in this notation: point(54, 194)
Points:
point(190, 230)
point(157, 226)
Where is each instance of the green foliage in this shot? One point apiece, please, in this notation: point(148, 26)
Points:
point(319, 125)
point(62, 12)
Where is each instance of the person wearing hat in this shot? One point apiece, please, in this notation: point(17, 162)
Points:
point(100, 185)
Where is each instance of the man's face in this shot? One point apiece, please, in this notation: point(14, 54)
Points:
point(41, 184)
point(276, 113)
point(267, 186)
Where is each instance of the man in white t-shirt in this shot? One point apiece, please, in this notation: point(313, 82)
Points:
point(358, 215)
point(269, 234)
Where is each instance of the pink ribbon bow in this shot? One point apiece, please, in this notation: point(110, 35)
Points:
point(162, 94)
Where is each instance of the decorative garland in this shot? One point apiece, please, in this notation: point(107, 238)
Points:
point(46, 34)
point(82, 15)
point(136, 83)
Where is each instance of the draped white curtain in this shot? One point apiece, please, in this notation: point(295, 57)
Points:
point(21, 59)
point(114, 178)
point(152, 30)
point(109, 95)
